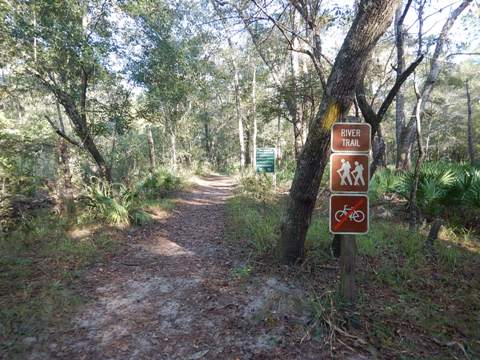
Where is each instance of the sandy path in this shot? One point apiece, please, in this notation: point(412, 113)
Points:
point(171, 295)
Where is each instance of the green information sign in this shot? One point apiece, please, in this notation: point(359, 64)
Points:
point(265, 160)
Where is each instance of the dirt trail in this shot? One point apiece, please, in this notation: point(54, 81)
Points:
point(171, 295)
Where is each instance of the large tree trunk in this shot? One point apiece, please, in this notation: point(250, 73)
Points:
point(151, 149)
point(471, 147)
point(370, 23)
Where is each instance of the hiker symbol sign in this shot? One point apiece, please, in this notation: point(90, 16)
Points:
point(349, 172)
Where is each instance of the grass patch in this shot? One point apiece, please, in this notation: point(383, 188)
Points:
point(413, 301)
point(41, 261)
point(254, 221)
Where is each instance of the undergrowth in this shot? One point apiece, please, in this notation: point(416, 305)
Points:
point(416, 300)
point(121, 206)
point(42, 258)
point(40, 261)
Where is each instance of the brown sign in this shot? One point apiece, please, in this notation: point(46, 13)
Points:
point(351, 137)
point(348, 214)
point(349, 172)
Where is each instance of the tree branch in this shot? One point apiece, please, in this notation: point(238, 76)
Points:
point(61, 133)
point(375, 118)
point(398, 83)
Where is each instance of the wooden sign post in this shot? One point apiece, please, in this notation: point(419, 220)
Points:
point(349, 208)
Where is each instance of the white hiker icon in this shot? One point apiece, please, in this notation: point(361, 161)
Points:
point(358, 174)
point(344, 173)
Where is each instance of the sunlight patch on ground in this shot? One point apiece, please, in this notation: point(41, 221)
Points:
point(84, 232)
point(166, 247)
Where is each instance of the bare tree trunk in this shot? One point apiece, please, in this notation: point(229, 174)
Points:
point(241, 134)
point(248, 153)
point(400, 98)
point(471, 146)
point(173, 142)
point(151, 149)
point(296, 111)
point(379, 155)
point(279, 138)
point(66, 192)
point(427, 142)
point(414, 211)
point(77, 113)
point(207, 141)
point(436, 65)
point(254, 116)
point(369, 24)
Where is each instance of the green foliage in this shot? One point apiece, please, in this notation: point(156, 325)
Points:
point(442, 186)
point(113, 209)
point(259, 187)
point(39, 261)
point(383, 181)
point(318, 241)
point(242, 272)
point(159, 184)
point(118, 205)
point(250, 220)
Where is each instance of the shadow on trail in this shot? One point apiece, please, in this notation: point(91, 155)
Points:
point(171, 294)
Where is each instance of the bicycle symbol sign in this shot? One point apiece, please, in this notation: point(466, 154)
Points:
point(348, 214)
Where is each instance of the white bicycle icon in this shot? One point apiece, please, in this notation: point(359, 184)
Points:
point(356, 215)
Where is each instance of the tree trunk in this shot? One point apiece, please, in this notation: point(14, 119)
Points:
point(370, 23)
point(151, 149)
point(241, 135)
point(408, 134)
point(248, 153)
point(400, 98)
point(471, 146)
point(379, 153)
point(254, 117)
point(296, 111)
point(66, 192)
point(77, 113)
point(207, 140)
point(433, 233)
point(414, 210)
point(173, 142)
point(279, 138)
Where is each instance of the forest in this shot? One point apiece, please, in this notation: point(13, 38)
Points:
point(168, 170)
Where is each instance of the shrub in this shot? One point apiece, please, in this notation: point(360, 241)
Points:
point(384, 181)
point(158, 184)
point(441, 186)
point(252, 221)
point(259, 187)
point(120, 207)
